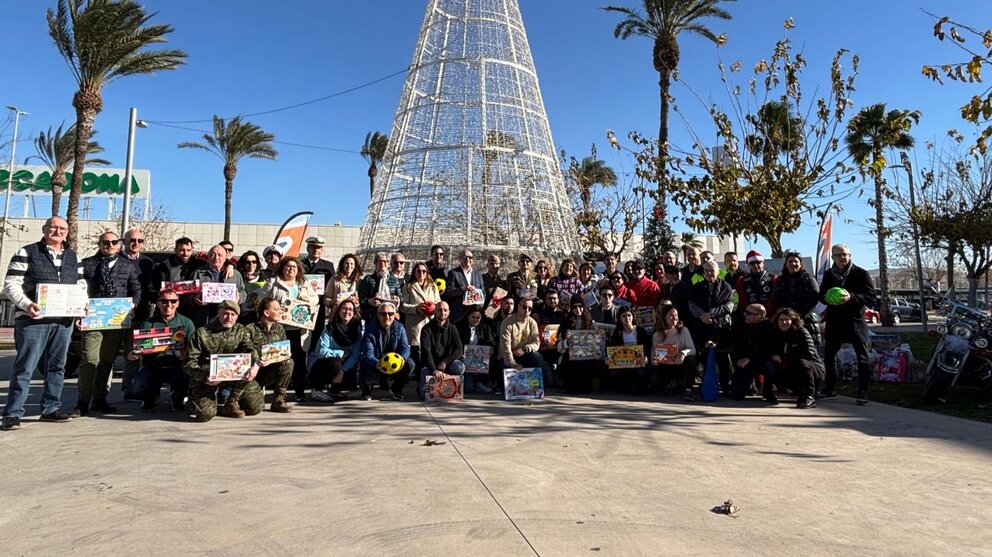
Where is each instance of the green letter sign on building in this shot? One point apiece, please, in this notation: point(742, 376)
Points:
point(103, 182)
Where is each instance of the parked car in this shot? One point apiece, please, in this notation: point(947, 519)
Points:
point(905, 310)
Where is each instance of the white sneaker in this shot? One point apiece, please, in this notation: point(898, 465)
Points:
point(480, 388)
point(319, 396)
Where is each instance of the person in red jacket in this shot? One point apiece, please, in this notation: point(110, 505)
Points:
point(643, 291)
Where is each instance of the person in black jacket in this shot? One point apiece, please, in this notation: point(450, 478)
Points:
point(712, 302)
point(474, 331)
point(108, 274)
point(441, 348)
point(797, 289)
point(846, 321)
point(752, 353)
point(796, 357)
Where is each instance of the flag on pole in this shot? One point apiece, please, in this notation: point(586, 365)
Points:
point(824, 244)
point(290, 236)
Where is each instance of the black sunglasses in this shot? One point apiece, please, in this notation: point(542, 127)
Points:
point(136, 240)
point(168, 300)
point(110, 242)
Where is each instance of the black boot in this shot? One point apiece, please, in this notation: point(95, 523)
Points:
point(101, 405)
point(82, 408)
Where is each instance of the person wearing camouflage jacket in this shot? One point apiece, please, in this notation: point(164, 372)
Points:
point(275, 375)
point(223, 335)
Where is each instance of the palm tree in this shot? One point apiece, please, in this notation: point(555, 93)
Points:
point(663, 22)
point(103, 40)
point(777, 131)
point(869, 133)
point(590, 172)
point(374, 151)
point(231, 142)
point(57, 150)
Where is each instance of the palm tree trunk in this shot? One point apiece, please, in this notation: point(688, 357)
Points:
point(57, 197)
point(228, 191)
point(373, 171)
point(664, 85)
point(84, 128)
point(883, 260)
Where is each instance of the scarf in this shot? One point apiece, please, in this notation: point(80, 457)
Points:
point(105, 278)
point(345, 335)
point(840, 276)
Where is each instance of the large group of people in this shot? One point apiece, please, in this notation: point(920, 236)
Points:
point(760, 331)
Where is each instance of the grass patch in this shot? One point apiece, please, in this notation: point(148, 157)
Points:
point(920, 343)
point(964, 402)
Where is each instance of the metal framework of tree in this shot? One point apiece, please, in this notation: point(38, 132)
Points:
point(471, 161)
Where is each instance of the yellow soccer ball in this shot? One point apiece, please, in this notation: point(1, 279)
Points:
point(440, 284)
point(391, 363)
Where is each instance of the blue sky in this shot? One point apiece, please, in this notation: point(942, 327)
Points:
point(253, 56)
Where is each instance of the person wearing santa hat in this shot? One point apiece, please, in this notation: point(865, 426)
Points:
point(757, 285)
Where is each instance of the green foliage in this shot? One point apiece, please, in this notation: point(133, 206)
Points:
point(977, 45)
point(606, 211)
point(103, 40)
point(658, 236)
point(374, 150)
point(780, 158)
point(230, 142)
point(662, 22)
point(234, 140)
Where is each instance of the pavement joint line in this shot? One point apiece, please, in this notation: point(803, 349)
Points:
point(481, 481)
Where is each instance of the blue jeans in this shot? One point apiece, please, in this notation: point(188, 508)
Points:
point(39, 345)
point(457, 368)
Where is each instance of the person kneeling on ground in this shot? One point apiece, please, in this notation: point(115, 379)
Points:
point(629, 334)
point(679, 362)
point(519, 340)
point(277, 374)
point(223, 335)
point(441, 349)
point(163, 367)
point(794, 352)
point(384, 335)
point(752, 352)
point(336, 352)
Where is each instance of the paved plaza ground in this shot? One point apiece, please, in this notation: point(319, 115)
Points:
point(565, 476)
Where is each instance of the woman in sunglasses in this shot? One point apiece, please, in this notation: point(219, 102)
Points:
point(542, 272)
point(250, 267)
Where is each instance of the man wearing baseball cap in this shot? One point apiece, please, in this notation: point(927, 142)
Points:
point(756, 286)
point(523, 278)
point(272, 256)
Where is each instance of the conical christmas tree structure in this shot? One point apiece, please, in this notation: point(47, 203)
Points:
point(471, 161)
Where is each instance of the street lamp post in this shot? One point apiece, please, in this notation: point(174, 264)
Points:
point(133, 122)
point(908, 167)
point(10, 175)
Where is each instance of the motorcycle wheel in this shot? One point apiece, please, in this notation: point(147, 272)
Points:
point(936, 386)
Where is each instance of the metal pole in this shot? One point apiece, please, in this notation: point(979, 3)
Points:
point(129, 160)
point(916, 239)
point(10, 177)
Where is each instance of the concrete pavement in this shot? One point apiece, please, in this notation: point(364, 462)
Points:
point(565, 476)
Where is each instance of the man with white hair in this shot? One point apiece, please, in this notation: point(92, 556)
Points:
point(39, 339)
point(383, 335)
point(711, 302)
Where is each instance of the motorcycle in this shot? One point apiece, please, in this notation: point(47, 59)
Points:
point(963, 348)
